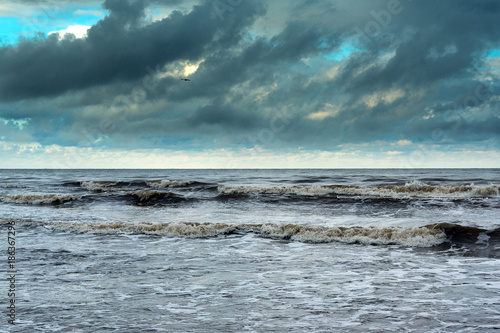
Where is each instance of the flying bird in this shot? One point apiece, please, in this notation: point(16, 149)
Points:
point(185, 79)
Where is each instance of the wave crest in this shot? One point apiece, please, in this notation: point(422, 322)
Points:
point(98, 185)
point(154, 197)
point(12, 186)
point(39, 199)
point(159, 184)
point(409, 236)
point(413, 189)
point(294, 190)
point(406, 236)
point(418, 187)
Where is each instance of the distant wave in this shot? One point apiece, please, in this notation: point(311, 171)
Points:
point(12, 186)
point(296, 190)
point(420, 188)
point(98, 185)
point(39, 199)
point(413, 189)
point(159, 184)
point(139, 198)
point(108, 186)
point(169, 191)
point(112, 186)
point(145, 198)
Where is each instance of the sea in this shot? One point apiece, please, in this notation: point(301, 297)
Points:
point(342, 250)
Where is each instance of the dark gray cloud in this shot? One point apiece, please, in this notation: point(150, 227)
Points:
point(413, 71)
point(117, 48)
point(443, 42)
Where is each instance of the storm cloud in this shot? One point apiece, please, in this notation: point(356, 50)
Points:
point(117, 48)
point(318, 75)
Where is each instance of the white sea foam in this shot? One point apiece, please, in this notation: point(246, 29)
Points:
point(421, 188)
point(168, 183)
point(409, 236)
point(97, 185)
point(37, 199)
point(12, 186)
point(297, 190)
point(412, 189)
point(147, 195)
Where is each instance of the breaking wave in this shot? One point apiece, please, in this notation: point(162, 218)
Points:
point(467, 240)
point(98, 186)
point(102, 186)
point(39, 199)
point(159, 184)
point(413, 189)
point(420, 188)
point(12, 186)
point(145, 198)
point(408, 236)
point(293, 190)
point(167, 191)
point(460, 234)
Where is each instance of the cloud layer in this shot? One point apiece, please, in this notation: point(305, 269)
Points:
point(319, 75)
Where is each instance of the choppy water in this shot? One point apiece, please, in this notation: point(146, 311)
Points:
point(254, 250)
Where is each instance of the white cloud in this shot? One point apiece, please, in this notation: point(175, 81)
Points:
point(80, 31)
point(404, 142)
point(429, 115)
point(319, 115)
point(191, 68)
point(35, 155)
point(329, 110)
point(386, 97)
point(19, 123)
point(180, 69)
point(392, 153)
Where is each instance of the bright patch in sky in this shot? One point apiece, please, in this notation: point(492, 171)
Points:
point(495, 53)
point(191, 68)
point(343, 52)
point(79, 31)
point(328, 111)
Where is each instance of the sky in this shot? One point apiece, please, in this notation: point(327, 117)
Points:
point(273, 84)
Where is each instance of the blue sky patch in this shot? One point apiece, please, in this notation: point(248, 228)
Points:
point(343, 52)
point(494, 53)
point(46, 20)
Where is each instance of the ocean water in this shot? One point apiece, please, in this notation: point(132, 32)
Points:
point(253, 250)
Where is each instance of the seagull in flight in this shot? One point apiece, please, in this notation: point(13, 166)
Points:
point(185, 79)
